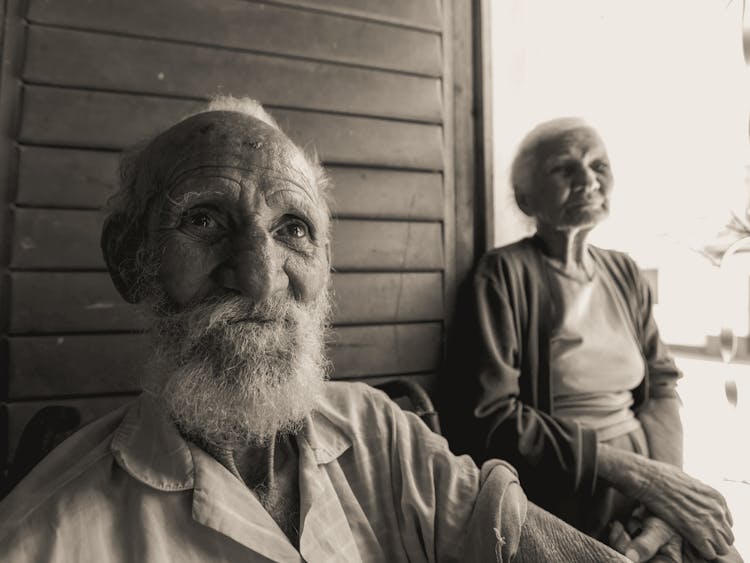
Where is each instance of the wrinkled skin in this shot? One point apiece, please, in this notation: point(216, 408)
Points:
point(243, 215)
point(696, 511)
point(648, 538)
point(571, 182)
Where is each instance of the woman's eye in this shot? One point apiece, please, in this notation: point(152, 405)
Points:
point(600, 166)
point(563, 169)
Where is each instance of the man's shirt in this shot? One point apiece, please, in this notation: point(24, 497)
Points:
point(375, 485)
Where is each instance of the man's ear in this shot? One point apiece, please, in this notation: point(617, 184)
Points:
point(329, 255)
point(119, 250)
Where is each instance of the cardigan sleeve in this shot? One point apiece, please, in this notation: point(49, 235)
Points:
point(551, 455)
point(659, 411)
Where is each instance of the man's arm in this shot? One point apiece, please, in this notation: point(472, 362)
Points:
point(547, 538)
point(450, 510)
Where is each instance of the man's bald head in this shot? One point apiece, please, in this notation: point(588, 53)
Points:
point(231, 133)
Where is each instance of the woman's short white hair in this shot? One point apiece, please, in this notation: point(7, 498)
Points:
point(525, 160)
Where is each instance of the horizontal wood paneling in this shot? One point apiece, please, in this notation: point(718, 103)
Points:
point(352, 79)
point(260, 27)
point(386, 349)
point(52, 302)
point(41, 366)
point(387, 194)
point(79, 118)
point(385, 245)
point(90, 364)
point(53, 238)
point(52, 177)
point(388, 297)
point(54, 56)
point(416, 12)
point(69, 239)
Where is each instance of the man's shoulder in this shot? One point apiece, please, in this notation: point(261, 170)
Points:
point(68, 475)
point(358, 409)
point(353, 400)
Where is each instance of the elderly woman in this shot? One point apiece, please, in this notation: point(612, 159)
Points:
point(576, 388)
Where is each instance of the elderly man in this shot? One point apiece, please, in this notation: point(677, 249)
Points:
point(239, 450)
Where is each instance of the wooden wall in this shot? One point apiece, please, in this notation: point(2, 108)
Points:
point(368, 83)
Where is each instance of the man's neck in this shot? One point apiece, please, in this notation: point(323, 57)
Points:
point(270, 471)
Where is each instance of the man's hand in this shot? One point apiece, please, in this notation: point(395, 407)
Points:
point(696, 511)
point(651, 539)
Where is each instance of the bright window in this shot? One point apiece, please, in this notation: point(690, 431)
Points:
point(666, 85)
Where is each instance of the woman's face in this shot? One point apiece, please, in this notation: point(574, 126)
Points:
point(571, 181)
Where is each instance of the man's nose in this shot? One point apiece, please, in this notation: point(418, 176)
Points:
point(256, 269)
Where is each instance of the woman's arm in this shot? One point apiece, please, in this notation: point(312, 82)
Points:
point(551, 455)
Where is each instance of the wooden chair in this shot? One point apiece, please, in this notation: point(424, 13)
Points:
point(412, 397)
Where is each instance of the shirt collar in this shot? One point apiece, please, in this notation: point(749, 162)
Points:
point(148, 446)
point(325, 434)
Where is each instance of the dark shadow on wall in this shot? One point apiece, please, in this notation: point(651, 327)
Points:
point(458, 388)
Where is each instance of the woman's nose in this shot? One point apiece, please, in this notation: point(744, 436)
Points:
point(255, 269)
point(585, 179)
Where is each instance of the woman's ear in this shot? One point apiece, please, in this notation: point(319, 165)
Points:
point(120, 251)
point(522, 200)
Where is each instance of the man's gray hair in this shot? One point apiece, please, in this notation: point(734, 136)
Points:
point(525, 160)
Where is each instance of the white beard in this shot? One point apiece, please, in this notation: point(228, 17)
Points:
point(230, 373)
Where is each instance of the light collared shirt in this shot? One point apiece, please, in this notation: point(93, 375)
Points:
point(375, 485)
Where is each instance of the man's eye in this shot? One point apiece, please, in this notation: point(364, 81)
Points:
point(202, 220)
point(295, 230)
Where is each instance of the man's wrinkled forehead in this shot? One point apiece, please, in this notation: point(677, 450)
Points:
point(228, 139)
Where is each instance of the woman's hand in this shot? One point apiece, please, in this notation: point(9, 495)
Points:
point(647, 538)
point(696, 511)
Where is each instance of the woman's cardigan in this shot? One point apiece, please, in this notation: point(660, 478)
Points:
point(517, 310)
